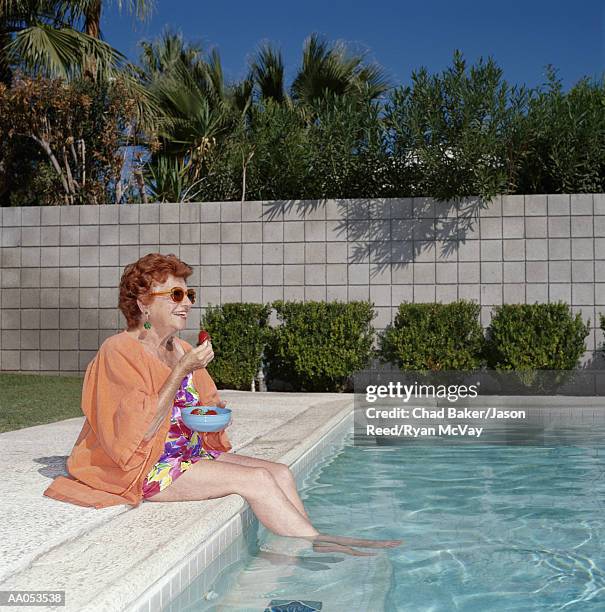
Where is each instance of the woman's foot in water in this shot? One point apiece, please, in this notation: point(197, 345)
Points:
point(325, 547)
point(323, 538)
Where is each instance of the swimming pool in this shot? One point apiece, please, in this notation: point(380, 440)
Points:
point(485, 527)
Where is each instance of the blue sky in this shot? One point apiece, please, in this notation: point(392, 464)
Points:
point(522, 36)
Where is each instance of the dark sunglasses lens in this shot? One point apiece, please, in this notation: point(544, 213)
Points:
point(178, 295)
point(191, 295)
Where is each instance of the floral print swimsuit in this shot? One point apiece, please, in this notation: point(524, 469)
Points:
point(183, 447)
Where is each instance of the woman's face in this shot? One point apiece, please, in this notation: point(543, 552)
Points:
point(165, 315)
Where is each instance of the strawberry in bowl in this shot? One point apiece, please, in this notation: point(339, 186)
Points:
point(205, 418)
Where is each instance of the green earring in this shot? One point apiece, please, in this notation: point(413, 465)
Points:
point(147, 324)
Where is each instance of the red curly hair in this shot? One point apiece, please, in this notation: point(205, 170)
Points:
point(138, 278)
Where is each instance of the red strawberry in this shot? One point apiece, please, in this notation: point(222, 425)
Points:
point(203, 336)
point(196, 411)
point(212, 412)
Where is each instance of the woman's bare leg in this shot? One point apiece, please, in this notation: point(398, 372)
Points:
point(212, 479)
point(286, 481)
point(281, 472)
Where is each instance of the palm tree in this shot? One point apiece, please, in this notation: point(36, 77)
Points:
point(332, 69)
point(57, 37)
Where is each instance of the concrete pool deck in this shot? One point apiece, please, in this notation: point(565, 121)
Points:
point(52, 545)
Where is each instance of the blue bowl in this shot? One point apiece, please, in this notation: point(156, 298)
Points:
point(212, 422)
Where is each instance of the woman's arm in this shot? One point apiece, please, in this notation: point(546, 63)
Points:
point(165, 400)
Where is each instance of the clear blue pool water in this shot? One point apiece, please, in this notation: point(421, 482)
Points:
point(485, 528)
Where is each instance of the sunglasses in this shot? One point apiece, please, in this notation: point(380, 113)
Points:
point(177, 294)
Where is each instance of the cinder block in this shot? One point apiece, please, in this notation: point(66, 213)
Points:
point(446, 273)
point(50, 236)
point(558, 204)
point(401, 293)
point(11, 257)
point(423, 230)
point(253, 294)
point(295, 253)
point(514, 271)
point(514, 293)
point(335, 231)
point(69, 235)
point(402, 252)
point(536, 249)
point(50, 277)
point(380, 274)
point(582, 271)
point(424, 251)
point(169, 213)
point(11, 298)
point(469, 250)
point(315, 252)
point(316, 293)
point(359, 274)
point(559, 248)
point(537, 271)
point(582, 294)
point(89, 297)
point(402, 273)
point(169, 233)
point(108, 297)
point(294, 294)
point(358, 293)
point(336, 209)
point(69, 318)
point(30, 257)
point(149, 213)
point(559, 227)
point(513, 206)
point(536, 292)
point(315, 274)
point(231, 275)
point(535, 205)
point(231, 254)
point(109, 319)
point(273, 274)
point(335, 293)
point(29, 339)
point(252, 275)
point(315, 231)
point(491, 250)
point(559, 292)
point(336, 274)
point(11, 339)
point(252, 253)
point(582, 248)
point(68, 361)
point(424, 273)
point(581, 203)
point(70, 215)
point(491, 227)
point(446, 293)
point(30, 277)
point(273, 253)
point(211, 275)
point(190, 253)
point(401, 208)
point(598, 200)
point(109, 234)
point(89, 318)
point(252, 232)
point(559, 271)
point(49, 298)
point(424, 294)
point(273, 231)
point(128, 213)
point(89, 215)
point(270, 294)
point(252, 211)
point(231, 211)
point(30, 237)
point(582, 226)
point(491, 272)
point(536, 227)
point(469, 292)
point(30, 298)
point(491, 294)
point(129, 254)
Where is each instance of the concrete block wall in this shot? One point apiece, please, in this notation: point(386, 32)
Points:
point(60, 266)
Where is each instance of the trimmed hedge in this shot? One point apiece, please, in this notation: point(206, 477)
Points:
point(535, 337)
point(319, 345)
point(238, 333)
point(434, 336)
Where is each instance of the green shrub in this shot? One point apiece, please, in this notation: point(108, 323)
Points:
point(434, 336)
point(238, 332)
point(535, 336)
point(319, 345)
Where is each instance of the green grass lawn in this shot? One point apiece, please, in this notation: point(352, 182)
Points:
point(28, 399)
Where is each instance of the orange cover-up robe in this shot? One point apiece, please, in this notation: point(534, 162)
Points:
point(110, 460)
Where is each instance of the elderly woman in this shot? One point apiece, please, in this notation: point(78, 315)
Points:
point(134, 445)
